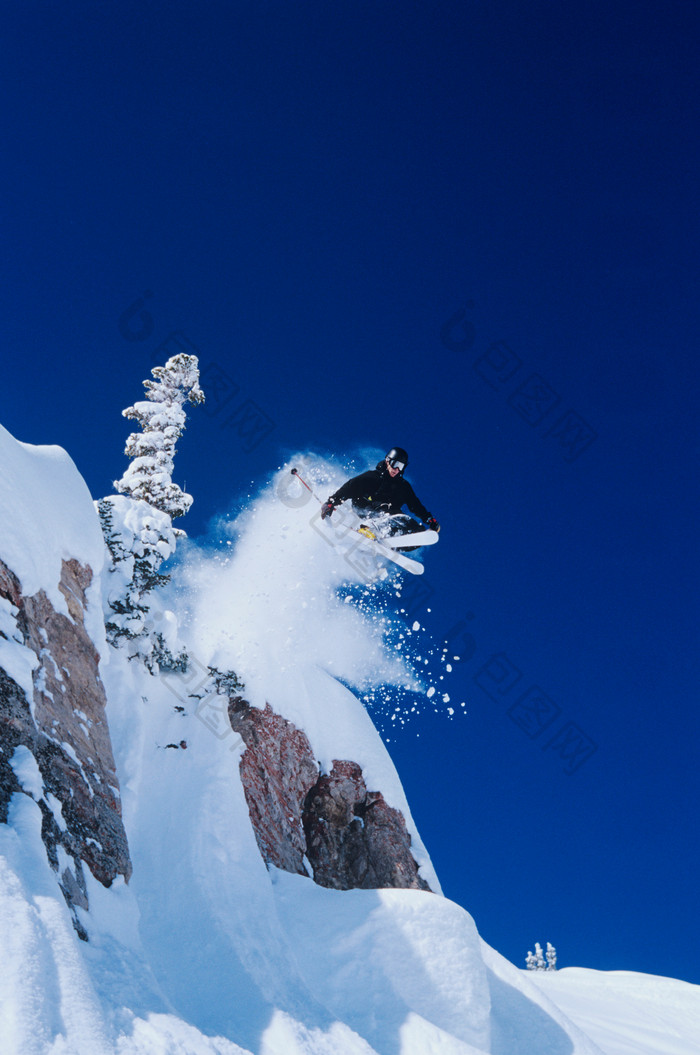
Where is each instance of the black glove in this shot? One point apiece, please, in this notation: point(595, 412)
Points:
point(433, 524)
point(327, 509)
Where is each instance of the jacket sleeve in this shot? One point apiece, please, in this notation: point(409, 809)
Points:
point(412, 502)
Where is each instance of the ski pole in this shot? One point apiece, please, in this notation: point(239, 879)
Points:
point(295, 472)
point(361, 530)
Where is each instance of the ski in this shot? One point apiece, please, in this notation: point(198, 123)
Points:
point(417, 538)
point(407, 563)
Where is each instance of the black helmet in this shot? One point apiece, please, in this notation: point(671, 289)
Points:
point(397, 456)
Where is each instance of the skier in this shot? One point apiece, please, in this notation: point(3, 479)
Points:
point(384, 490)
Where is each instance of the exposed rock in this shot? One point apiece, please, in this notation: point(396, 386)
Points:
point(277, 771)
point(354, 838)
point(348, 835)
point(9, 585)
point(15, 718)
point(68, 735)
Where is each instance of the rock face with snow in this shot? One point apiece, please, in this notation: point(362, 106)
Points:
point(354, 838)
point(349, 836)
point(277, 771)
point(54, 739)
point(63, 727)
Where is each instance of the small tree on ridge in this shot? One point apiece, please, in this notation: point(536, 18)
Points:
point(538, 962)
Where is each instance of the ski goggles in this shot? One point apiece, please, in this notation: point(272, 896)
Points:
point(396, 464)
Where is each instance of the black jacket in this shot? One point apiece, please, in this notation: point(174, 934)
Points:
point(380, 492)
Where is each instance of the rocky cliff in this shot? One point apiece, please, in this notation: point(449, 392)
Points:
point(330, 824)
point(64, 728)
point(327, 825)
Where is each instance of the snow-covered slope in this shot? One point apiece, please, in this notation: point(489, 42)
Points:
point(46, 516)
point(207, 949)
point(627, 1013)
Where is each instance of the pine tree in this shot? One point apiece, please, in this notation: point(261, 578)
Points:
point(162, 421)
point(551, 957)
point(138, 527)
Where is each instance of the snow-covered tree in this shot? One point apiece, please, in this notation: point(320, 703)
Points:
point(162, 420)
point(138, 527)
point(538, 962)
point(139, 538)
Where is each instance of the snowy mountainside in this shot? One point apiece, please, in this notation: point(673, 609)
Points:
point(155, 918)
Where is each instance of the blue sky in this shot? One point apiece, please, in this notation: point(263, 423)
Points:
point(468, 229)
